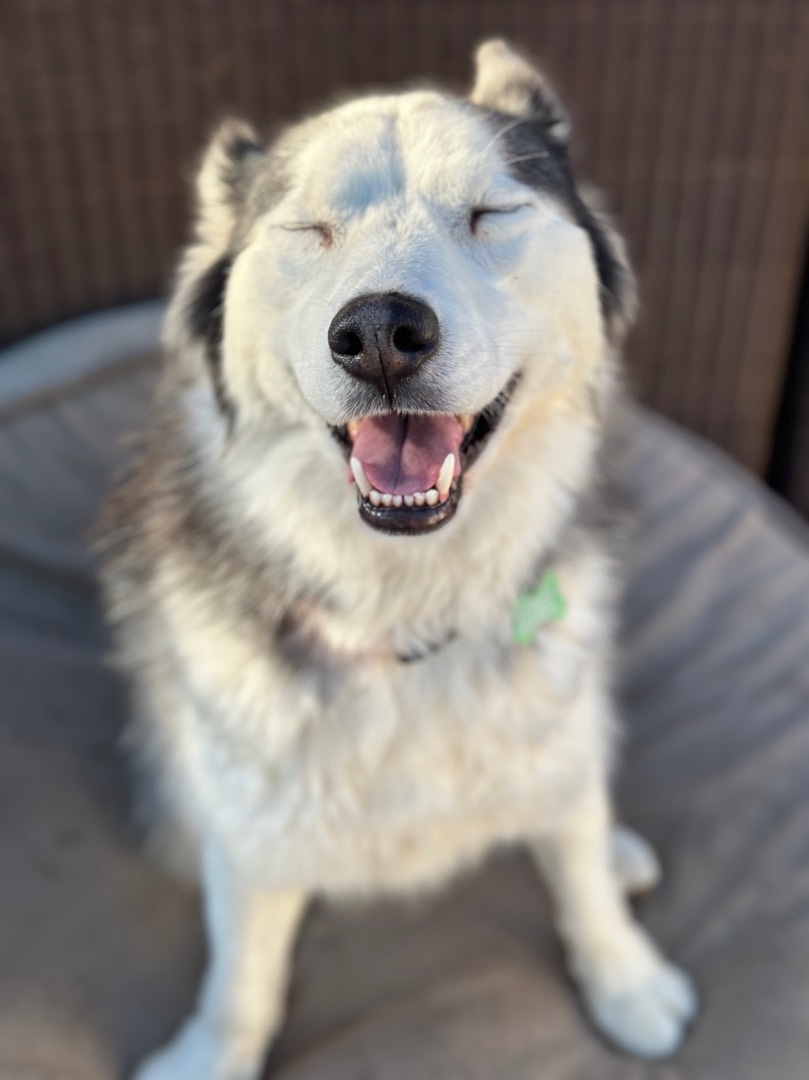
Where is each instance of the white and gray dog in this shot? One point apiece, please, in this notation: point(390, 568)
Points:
point(357, 577)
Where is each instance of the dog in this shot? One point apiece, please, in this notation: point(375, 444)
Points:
point(361, 575)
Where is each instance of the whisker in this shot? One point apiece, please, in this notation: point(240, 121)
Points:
point(509, 161)
point(528, 157)
point(499, 134)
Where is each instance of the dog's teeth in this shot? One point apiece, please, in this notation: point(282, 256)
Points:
point(419, 498)
point(360, 477)
point(397, 501)
point(409, 500)
point(375, 497)
point(352, 426)
point(431, 498)
point(387, 499)
point(466, 422)
point(444, 481)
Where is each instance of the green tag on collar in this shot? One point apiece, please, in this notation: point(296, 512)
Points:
point(535, 609)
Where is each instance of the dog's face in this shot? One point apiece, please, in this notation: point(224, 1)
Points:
point(405, 272)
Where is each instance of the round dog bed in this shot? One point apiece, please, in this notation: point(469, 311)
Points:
point(100, 952)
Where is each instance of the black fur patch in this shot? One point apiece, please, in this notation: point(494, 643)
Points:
point(612, 274)
point(533, 158)
point(205, 321)
point(539, 108)
point(241, 147)
point(544, 164)
point(237, 173)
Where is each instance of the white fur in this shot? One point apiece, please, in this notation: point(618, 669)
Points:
point(399, 775)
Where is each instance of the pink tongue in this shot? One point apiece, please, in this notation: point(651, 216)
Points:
point(404, 454)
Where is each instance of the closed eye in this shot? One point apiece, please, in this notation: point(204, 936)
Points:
point(318, 227)
point(478, 213)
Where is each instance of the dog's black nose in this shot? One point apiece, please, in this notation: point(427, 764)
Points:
point(383, 338)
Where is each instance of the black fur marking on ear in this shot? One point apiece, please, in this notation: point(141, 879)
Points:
point(236, 172)
point(541, 110)
point(531, 156)
point(241, 147)
point(205, 322)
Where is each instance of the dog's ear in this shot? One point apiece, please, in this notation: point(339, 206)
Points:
point(506, 82)
point(223, 181)
point(195, 316)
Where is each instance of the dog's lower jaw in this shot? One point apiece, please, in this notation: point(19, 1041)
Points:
point(412, 521)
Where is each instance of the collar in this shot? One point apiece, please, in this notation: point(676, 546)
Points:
point(536, 607)
point(533, 609)
point(429, 650)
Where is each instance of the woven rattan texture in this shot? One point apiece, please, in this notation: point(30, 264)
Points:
point(691, 114)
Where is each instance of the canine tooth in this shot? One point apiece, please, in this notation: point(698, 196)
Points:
point(360, 477)
point(431, 498)
point(466, 422)
point(387, 499)
point(351, 427)
point(444, 481)
point(375, 497)
point(409, 500)
point(397, 501)
point(419, 498)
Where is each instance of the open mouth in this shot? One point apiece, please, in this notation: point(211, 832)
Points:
point(409, 467)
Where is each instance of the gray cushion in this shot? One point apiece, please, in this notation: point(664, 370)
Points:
point(467, 984)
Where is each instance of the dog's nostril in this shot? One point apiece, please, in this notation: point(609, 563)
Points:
point(406, 340)
point(345, 343)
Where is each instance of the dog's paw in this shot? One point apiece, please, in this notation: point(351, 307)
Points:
point(645, 1006)
point(634, 861)
point(195, 1054)
point(648, 1020)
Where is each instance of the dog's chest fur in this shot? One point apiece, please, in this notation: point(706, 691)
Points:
point(368, 773)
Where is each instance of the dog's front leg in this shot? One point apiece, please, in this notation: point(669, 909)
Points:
point(251, 935)
point(634, 996)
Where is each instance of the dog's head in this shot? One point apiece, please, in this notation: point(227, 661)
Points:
point(404, 273)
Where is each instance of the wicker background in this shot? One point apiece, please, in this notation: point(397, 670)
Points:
point(691, 114)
